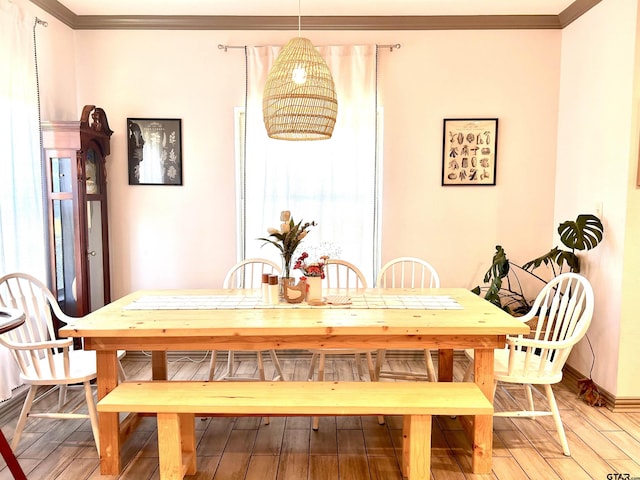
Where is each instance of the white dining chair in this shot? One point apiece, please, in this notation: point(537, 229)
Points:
point(407, 272)
point(43, 359)
point(247, 274)
point(345, 276)
point(564, 308)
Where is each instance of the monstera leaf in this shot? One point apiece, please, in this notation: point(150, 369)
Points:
point(500, 266)
point(554, 257)
point(584, 233)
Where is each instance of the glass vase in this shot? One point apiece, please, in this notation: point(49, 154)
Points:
point(286, 266)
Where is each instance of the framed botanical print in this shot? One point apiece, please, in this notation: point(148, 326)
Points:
point(469, 151)
point(155, 151)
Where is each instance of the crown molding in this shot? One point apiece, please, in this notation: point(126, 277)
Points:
point(213, 22)
point(237, 22)
point(575, 11)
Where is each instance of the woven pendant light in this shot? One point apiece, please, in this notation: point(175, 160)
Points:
point(299, 101)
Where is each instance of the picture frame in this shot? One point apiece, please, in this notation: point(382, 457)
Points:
point(154, 151)
point(469, 151)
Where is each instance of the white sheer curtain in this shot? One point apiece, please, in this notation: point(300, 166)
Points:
point(331, 181)
point(22, 240)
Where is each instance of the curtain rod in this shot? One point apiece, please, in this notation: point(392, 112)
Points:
point(226, 47)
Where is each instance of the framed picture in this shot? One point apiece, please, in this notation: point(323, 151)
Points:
point(155, 151)
point(469, 151)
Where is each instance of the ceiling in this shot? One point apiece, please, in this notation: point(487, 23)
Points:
point(317, 7)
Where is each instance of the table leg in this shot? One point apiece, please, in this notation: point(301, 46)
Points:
point(108, 423)
point(445, 365)
point(158, 365)
point(482, 436)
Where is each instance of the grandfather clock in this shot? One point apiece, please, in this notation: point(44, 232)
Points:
point(74, 156)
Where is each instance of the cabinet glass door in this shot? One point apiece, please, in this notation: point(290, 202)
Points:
point(63, 229)
point(63, 240)
point(95, 255)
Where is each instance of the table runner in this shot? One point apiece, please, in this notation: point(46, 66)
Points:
point(238, 302)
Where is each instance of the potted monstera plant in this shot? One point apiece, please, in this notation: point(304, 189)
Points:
point(504, 287)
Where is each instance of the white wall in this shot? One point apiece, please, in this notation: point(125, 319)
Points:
point(183, 236)
point(594, 166)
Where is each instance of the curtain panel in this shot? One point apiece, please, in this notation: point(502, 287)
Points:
point(22, 238)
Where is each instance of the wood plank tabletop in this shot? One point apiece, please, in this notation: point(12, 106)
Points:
point(119, 320)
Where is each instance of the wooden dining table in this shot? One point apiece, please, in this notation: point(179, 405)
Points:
point(161, 321)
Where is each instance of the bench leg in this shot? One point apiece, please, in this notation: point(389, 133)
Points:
point(176, 445)
point(416, 447)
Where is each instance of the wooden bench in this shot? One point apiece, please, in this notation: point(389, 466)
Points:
point(176, 404)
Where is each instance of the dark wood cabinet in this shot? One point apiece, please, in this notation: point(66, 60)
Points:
point(74, 158)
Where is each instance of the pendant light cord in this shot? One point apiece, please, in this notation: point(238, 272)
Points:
point(299, 18)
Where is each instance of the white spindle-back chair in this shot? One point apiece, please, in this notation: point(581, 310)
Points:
point(564, 308)
point(247, 274)
point(346, 277)
point(43, 359)
point(407, 272)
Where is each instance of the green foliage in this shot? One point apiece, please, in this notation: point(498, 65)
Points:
point(585, 233)
point(504, 288)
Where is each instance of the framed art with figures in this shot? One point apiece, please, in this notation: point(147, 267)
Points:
point(469, 151)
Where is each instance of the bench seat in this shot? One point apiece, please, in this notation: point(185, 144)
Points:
point(176, 404)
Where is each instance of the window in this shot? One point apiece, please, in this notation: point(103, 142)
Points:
point(333, 182)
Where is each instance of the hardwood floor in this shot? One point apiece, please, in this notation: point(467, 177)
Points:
point(602, 443)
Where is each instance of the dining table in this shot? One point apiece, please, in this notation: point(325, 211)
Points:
point(162, 321)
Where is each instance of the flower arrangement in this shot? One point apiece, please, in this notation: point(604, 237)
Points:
point(287, 238)
point(313, 269)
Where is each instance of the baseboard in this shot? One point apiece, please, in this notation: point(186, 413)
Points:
point(613, 403)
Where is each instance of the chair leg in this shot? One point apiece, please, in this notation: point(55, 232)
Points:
point(358, 366)
point(431, 371)
point(468, 372)
point(380, 356)
point(529, 395)
point(312, 365)
point(230, 362)
point(556, 418)
point(374, 378)
point(372, 369)
point(93, 414)
point(260, 366)
point(122, 376)
point(212, 365)
point(316, 420)
point(262, 377)
point(62, 397)
point(276, 364)
point(321, 365)
point(26, 408)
